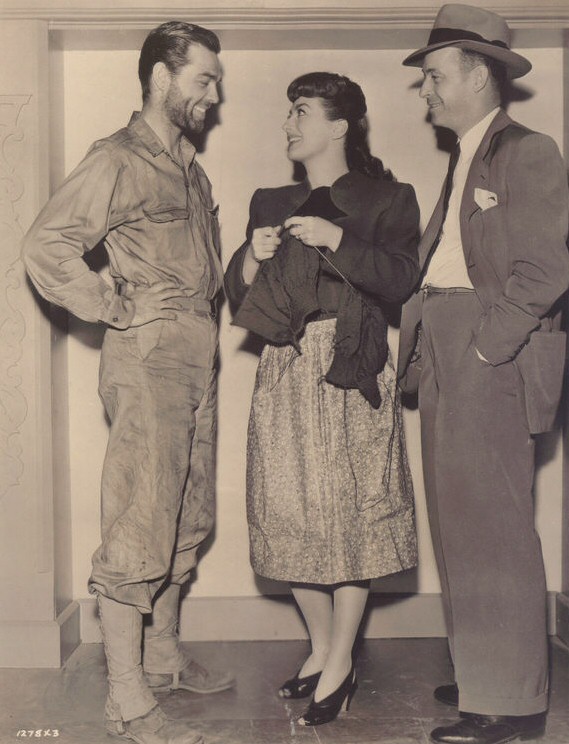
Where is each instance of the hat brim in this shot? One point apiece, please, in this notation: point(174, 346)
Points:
point(516, 65)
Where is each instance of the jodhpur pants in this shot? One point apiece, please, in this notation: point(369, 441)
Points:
point(478, 461)
point(158, 385)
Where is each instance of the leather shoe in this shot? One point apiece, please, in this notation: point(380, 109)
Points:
point(154, 728)
point(300, 687)
point(193, 677)
point(447, 694)
point(477, 729)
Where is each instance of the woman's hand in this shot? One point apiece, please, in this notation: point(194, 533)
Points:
point(264, 242)
point(314, 231)
point(263, 245)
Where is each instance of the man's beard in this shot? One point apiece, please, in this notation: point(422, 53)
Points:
point(177, 111)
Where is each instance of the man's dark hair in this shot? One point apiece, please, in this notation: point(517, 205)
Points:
point(169, 44)
point(498, 70)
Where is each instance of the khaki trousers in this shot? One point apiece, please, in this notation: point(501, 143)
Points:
point(158, 385)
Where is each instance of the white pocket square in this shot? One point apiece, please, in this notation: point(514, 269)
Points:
point(485, 199)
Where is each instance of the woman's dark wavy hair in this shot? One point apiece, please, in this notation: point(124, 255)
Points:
point(169, 43)
point(343, 99)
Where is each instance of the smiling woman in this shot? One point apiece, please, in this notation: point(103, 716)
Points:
point(308, 130)
point(329, 492)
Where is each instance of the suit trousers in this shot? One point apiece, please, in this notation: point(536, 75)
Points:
point(158, 385)
point(478, 463)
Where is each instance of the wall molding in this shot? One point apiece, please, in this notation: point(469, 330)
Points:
point(275, 618)
point(299, 16)
point(40, 644)
point(13, 403)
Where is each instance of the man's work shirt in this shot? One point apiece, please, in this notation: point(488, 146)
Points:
point(447, 267)
point(157, 220)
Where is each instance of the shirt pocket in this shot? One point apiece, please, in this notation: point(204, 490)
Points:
point(169, 235)
point(170, 214)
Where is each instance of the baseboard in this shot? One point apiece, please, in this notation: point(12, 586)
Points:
point(275, 617)
point(263, 618)
point(48, 644)
point(562, 617)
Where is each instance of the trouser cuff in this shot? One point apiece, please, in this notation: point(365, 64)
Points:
point(495, 706)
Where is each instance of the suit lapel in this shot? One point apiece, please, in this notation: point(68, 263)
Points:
point(478, 177)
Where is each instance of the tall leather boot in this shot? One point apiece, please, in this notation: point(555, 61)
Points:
point(165, 664)
point(131, 710)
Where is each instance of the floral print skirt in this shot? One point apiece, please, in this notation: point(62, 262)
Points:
point(329, 491)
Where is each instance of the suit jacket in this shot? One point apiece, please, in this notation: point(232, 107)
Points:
point(378, 250)
point(515, 247)
point(377, 254)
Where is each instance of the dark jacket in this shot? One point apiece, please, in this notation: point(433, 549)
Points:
point(377, 255)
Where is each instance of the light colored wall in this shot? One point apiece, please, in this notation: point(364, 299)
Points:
point(247, 151)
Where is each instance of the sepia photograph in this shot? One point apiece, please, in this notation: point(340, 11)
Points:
point(284, 401)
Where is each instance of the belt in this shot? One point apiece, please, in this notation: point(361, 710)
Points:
point(192, 304)
point(196, 305)
point(429, 289)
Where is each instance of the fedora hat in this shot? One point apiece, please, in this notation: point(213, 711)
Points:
point(476, 29)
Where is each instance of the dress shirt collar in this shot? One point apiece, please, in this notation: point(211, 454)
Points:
point(152, 142)
point(470, 142)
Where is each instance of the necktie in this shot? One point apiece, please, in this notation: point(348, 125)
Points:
point(453, 160)
point(454, 156)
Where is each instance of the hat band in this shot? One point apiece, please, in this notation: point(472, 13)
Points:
point(442, 35)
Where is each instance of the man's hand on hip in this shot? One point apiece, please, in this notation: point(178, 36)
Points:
point(155, 302)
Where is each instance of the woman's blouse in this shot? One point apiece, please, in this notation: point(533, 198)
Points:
point(320, 204)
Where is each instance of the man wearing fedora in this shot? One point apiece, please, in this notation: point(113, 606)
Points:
point(480, 341)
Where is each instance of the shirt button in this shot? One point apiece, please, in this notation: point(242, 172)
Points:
point(115, 320)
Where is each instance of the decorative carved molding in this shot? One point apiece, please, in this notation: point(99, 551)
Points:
point(13, 404)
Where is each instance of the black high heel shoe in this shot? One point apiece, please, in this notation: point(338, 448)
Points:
point(329, 707)
point(299, 687)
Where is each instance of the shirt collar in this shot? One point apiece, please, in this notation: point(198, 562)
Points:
point(470, 142)
point(152, 142)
